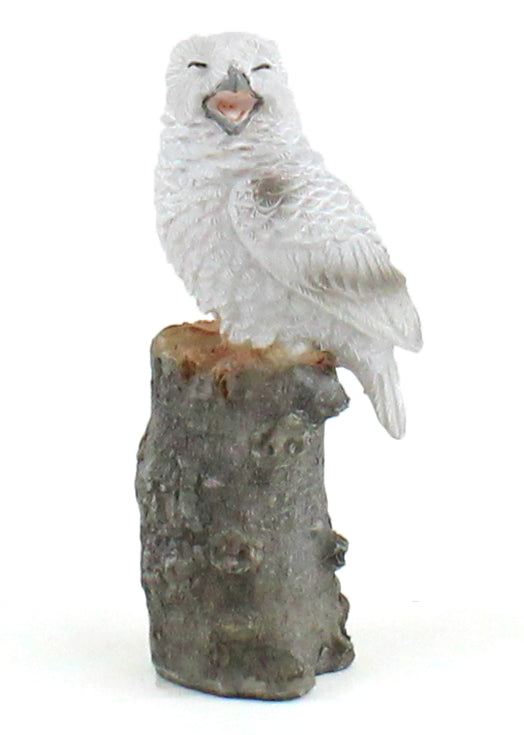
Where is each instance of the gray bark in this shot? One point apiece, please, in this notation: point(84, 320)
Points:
point(238, 553)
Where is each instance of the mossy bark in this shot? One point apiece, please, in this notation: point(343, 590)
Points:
point(238, 553)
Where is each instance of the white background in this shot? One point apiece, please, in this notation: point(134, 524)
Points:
point(418, 106)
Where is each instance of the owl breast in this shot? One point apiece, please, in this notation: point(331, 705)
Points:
point(200, 243)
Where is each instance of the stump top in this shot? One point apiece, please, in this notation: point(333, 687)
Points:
point(200, 347)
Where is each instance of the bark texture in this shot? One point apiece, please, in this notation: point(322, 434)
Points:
point(238, 553)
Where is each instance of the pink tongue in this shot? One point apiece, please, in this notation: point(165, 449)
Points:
point(235, 113)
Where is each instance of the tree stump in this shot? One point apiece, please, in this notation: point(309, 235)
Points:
point(238, 553)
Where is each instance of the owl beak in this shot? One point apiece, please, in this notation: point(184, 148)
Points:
point(233, 103)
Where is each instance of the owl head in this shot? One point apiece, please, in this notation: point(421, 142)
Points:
point(233, 82)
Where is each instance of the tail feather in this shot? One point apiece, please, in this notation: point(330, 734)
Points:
point(379, 378)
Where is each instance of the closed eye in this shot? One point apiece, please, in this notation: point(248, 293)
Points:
point(200, 64)
point(261, 66)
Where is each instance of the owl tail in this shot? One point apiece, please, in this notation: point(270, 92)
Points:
point(379, 378)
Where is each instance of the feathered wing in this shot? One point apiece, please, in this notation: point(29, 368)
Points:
point(379, 377)
point(312, 234)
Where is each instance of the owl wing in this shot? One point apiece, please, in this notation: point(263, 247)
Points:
point(311, 234)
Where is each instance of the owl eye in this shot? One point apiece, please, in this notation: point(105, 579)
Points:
point(200, 64)
point(261, 66)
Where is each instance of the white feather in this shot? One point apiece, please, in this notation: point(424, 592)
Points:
point(265, 237)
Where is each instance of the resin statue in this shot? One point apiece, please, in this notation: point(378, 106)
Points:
point(264, 237)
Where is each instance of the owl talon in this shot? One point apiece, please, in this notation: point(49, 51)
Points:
point(322, 359)
point(202, 325)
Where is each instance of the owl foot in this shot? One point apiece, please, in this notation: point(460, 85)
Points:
point(319, 358)
point(202, 325)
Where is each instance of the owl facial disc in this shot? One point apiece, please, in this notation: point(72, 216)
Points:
point(233, 103)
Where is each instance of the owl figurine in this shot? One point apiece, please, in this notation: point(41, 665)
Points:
point(263, 236)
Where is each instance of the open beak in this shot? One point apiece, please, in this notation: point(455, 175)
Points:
point(233, 103)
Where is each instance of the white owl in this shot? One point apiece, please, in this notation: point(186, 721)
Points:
point(263, 236)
